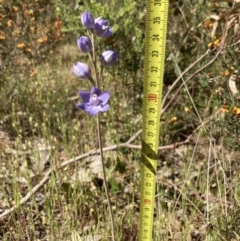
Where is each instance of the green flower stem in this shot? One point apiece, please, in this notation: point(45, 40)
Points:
point(92, 81)
point(93, 59)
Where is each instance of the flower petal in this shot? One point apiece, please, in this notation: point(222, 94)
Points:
point(101, 21)
point(108, 33)
point(104, 97)
point(82, 106)
point(96, 91)
point(104, 108)
point(94, 110)
point(85, 96)
point(103, 31)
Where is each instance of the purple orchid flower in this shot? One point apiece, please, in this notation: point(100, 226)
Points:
point(94, 102)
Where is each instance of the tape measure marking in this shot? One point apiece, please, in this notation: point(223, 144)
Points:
point(156, 28)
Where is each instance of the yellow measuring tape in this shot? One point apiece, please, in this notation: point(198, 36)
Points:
point(156, 29)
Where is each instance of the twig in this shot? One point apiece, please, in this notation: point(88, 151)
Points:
point(28, 195)
point(179, 78)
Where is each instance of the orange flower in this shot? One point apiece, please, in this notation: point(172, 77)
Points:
point(208, 24)
point(236, 111)
point(21, 46)
point(43, 39)
point(57, 24)
point(32, 72)
point(15, 8)
point(2, 36)
point(224, 109)
point(173, 119)
point(9, 23)
point(28, 50)
point(226, 73)
point(217, 41)
point(29, 12)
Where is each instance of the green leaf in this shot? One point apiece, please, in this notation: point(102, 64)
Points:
point(121, 167)
point(114, 186)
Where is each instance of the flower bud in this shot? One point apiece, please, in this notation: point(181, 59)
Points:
point(109, 58)
point(101, 28)
point(81, 70)
point(87, 20)
point(84, 43)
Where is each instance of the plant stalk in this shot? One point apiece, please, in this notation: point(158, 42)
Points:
point(105, 180)
point(94, 63)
